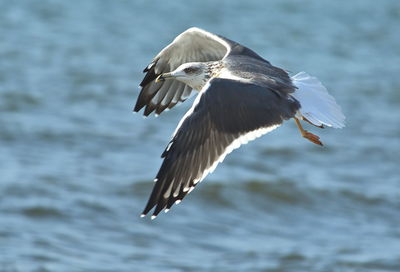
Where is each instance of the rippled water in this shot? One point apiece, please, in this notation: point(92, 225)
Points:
point(77, 165)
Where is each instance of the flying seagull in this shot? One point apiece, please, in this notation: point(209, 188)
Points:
point(241, 96)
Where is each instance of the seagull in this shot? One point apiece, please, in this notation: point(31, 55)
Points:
point(240, 97)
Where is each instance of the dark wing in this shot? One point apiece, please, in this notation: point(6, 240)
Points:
point(225, 115)
point(193, 45)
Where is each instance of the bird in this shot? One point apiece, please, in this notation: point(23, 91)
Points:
point(240, 97)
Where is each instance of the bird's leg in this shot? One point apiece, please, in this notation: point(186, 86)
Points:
point(308, 135)
point(308, 121)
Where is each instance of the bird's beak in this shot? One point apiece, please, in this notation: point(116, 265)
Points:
point(164, 76)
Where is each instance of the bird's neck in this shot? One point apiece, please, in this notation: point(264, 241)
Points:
point(211, 70)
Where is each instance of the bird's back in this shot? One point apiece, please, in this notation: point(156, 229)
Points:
point(258, 71)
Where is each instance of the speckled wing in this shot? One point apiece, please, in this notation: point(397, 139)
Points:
point(193, 45)
point(225, 114)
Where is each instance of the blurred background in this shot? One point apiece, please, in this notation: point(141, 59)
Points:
point(77, 165)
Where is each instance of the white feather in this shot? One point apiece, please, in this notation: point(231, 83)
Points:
point(225, 73)
point(317, 105)
point(241, 140)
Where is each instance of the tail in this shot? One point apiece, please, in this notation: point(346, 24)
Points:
point(317, 105)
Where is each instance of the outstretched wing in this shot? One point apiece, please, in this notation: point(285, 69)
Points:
point(193, 45)
point(226, 114)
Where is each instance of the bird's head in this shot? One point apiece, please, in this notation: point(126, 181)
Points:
point(194, 74)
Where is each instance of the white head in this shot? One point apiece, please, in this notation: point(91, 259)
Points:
point(194, 74)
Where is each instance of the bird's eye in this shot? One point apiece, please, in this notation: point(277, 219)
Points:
point(189, 70)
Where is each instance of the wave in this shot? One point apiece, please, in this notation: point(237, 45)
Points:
point(277, 193)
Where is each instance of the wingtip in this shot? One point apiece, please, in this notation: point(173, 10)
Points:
point(148, 110)
point(139, 105)
point(147, 209)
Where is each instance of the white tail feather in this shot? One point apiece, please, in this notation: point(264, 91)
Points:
point(317, 105)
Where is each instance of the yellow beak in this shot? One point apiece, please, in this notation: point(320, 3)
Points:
point(164, 76)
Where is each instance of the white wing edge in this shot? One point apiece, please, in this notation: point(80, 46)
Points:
point(180, 39)
point(242, 140)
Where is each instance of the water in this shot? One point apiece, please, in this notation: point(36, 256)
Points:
point(77, 165)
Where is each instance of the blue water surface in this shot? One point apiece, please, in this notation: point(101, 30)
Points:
point(77, 165)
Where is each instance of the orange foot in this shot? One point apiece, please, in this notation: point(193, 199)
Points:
point(312, 137)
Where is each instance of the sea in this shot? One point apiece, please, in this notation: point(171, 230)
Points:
point(77, 165)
